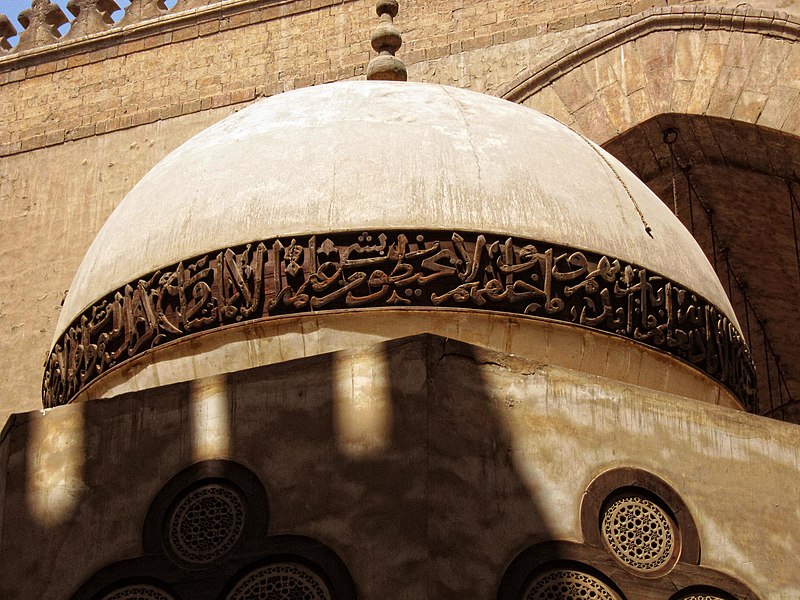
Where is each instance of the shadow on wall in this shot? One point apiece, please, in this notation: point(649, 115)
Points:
point(394, 457)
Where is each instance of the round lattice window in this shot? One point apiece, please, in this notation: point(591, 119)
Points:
point(138, 592)
point(205, 524)
point(703, 596)
point(640, 533)
point(280, 581)
point(568, 584)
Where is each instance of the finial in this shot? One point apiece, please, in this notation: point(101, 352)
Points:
point(386, 40)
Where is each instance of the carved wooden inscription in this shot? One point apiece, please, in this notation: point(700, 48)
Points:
point(427, 269)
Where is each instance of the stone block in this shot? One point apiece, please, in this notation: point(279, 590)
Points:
point(749, 106)
point(131, 47)
point(688, 50)
point(707, 75)
point(681, 95)
point(789, 72)
point(606, 69)
point(726, 92)
point(54, 137)
point(573, 90)
point(641, 107)
point(548, 102)
point(185, 33)
point(780, 104)
point(742, 48)
point(766, 64)
point(593, 121)
point(632, 75)
point(615, 104)
point(32, 143)
point(792, 123)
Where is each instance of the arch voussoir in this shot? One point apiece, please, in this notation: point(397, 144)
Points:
point(732, 64)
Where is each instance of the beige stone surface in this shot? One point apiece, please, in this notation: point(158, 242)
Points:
point(744, 77)
point(474, 455)
point(731, 164)
point(715, 72)
point(467, 449)
point(176, 65)
point(159, 77)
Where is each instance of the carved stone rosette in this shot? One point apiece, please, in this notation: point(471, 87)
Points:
point(205, 524)
point(421, 269)
point(568, 583)
point(281, 580)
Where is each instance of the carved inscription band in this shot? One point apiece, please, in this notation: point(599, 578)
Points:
point(425, 269)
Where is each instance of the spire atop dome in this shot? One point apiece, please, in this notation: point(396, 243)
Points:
point(386, 41)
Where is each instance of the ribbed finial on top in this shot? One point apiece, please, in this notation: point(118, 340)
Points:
point(386, 40)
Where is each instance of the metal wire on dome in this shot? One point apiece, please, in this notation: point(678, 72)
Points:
point(792, 205)
point(770, 356)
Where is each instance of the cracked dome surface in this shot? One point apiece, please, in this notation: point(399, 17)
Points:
point(369, 156)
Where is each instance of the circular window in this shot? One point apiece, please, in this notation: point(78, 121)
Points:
point(640, 533)
point(280, 581)
point(205, 523)
point(558, 584)
point(702, 593)
point(138, 592)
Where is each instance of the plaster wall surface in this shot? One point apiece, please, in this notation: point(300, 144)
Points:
point(416, 456)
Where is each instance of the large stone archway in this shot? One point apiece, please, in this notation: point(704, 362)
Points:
point(726, 84)
point(732, 64)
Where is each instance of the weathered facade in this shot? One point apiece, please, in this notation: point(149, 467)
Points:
point(403, 363)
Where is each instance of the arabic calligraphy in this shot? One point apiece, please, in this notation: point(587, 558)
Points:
point(427, 270)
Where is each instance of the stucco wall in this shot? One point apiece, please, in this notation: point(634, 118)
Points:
point(419, 457)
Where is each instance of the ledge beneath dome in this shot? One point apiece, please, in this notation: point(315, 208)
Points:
point(279, 340)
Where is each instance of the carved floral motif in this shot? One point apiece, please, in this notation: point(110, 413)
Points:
point(420, 269)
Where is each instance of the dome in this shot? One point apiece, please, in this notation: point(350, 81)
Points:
point(372, 158)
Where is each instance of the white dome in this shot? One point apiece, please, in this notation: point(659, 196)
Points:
point(366, 156)
point(408, 198)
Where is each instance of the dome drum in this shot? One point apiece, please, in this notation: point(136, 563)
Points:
point(426, 197)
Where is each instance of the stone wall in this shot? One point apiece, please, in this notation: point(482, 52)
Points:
point(54, 201)
point(744, 67)
point(426, 465)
